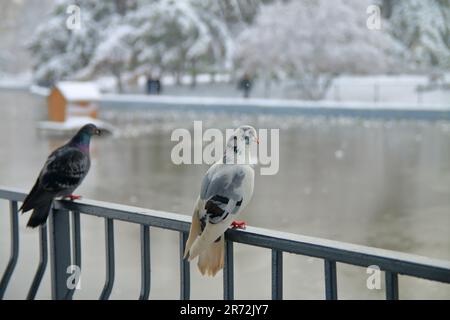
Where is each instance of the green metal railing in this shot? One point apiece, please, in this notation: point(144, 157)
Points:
point(64, 251)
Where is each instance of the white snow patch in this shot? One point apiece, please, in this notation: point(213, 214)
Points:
point(76, 91)
point(269, 103)
point(40, 91)
point(15, 81)
point(106, 84)
point(73, 124)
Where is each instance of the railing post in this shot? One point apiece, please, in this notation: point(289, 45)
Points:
point(145, 263)
point(43, 259)
point(110, 259)
point(76, 247)
point(185, 273)
point(391, 279)
point(14, 248)
point(228, 272)
point(330, 280)
point(277, 275)
point(60, 251)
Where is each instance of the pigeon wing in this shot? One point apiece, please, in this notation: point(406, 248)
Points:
point(64, 170)
point(221, 190)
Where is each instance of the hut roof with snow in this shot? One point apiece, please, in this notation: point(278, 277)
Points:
point(79, 91)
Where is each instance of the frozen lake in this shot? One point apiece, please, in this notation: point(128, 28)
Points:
point(384, 184)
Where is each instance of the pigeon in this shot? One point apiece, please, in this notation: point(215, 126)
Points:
point(226, 189)
point(63, 172)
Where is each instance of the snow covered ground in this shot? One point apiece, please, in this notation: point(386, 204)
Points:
point(351, 91)
point(347, 92)
point(387, 89)
point(72, 124)
point(381, 96)
point(142, 100)
point(19, 81)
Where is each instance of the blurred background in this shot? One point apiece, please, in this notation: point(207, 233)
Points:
point(378, 182)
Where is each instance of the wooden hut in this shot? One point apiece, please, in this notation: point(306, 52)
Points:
point(70, 98)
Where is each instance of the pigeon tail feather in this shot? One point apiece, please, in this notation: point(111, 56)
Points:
point(211, 260)
point(211, 233)
point(195, 230)
point(31, 199)
point(40, 214)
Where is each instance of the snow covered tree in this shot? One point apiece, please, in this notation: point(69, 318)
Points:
point(162, 36)
point(238, 13)
point(112, 56)
point(174, 36)
point(312, 41)
point(59, 52)
point(423, 26)
point(48, 47)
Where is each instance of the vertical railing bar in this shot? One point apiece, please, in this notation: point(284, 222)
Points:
point(60, 253)
point(76, 248)
point(110, 264)
point(391, 279)
point(145, 263)
point(228, 272)
point(76, 231)
point(185, 272)
point(277, 275)
point(43, 260)
point(14, 248)
point(330, 280)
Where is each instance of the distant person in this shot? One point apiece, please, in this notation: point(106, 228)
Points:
point(153, 85)
point(245, 85)
point(158, 86)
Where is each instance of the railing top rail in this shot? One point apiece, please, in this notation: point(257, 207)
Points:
point(387, 260)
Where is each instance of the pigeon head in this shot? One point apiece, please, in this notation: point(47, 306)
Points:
point(83, 136)
point(241, 145)
point(244, 135)
point(90, 129)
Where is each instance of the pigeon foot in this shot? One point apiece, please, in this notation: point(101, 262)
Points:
point(238, 225)
point(72, 197)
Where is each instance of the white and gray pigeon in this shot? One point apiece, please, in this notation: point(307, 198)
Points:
point(225, 191)
point(63, 172)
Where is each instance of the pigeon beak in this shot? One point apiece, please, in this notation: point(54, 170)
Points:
point(257, 140)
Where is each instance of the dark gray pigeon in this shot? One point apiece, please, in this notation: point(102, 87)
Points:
point(63, 172)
